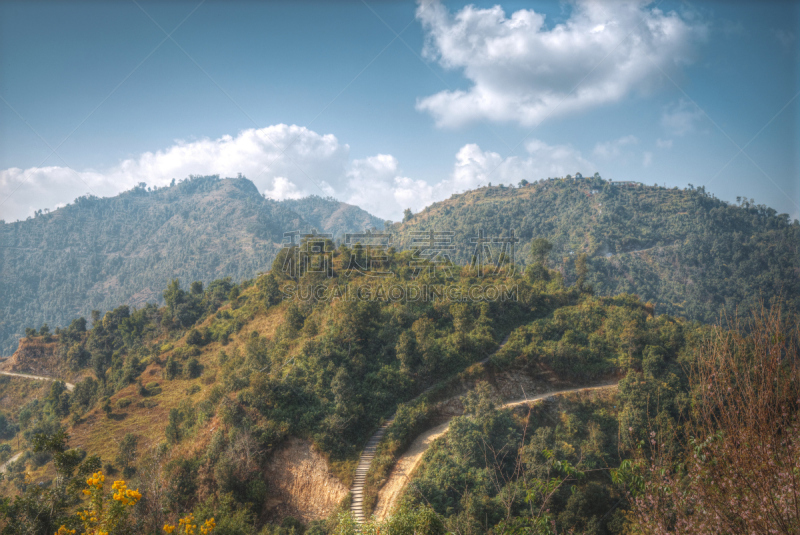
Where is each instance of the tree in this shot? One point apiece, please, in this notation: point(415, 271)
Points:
point(195, 338)
point(540, 248)
point(270, 291)
point(172, 368)
point(408, 215)
point(193, 369)
point(40, 510)
point(127, 454)
point(196, 288)
point(582, 269)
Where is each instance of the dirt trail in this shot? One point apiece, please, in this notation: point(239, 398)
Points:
point(11, 460)
point(368, 454)
point(406, 465)
point(69, 386)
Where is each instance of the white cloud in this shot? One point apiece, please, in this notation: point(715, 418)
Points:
point(267, 156)
point(647, 159)
point(522, 71)
point(475, 167)
point(283, 160)
point(376, 184)
point(613, 149)
point(681, 118)
point(283, 189)
point(664, 143)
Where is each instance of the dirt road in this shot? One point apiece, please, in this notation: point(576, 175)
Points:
point(404, 468)
point(11, 460)
point(69, 386)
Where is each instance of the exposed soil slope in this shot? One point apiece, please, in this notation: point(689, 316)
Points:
point(305, 487)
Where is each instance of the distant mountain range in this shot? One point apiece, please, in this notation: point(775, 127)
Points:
point(95, 254)
point(683, 250)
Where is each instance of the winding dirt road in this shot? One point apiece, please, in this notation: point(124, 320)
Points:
point(69, 386)
point(368, 454)
point(405, 466)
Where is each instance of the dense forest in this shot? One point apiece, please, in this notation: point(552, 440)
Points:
point(97, 253)
point(185, 405)
point(330, 216)
point(683, 250)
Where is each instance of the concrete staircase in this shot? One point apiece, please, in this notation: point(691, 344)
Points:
point(364, 462)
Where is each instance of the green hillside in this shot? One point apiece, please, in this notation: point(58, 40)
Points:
point(221, 376)
point(331, 216)
point(196, 401)
point(683, 250)
point(97, 253)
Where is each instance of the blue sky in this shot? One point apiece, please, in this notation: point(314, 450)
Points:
point(325, 98)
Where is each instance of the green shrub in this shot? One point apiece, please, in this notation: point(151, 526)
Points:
point(195, 338)
point(123, 402)
point(193, 369)
point(172, 368)
point(5, 452)
point(216, 394)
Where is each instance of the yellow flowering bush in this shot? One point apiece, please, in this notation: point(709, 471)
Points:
point(187, 526)
point(102, 515)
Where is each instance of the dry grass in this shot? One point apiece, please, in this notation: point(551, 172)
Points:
point(741, 471)
point(100, 434)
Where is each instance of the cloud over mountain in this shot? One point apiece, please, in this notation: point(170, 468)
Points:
point(522, 70)
point(288, 162)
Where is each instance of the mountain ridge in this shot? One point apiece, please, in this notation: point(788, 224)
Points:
point(96, 253)
point(675, 248)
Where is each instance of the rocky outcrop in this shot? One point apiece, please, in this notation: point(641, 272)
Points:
point(302, 484)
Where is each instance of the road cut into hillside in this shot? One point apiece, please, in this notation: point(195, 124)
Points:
point(390, 493)
point(69, 386)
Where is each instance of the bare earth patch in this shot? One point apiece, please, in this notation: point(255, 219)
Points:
point(305, 487)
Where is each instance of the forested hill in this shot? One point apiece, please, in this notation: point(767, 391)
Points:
point(95, 254)
point(683, 250)
point(331, 216)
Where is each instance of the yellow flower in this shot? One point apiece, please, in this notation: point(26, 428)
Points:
point(168, 528)
point(208, 526)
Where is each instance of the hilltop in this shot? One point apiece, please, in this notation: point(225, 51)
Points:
point(683, 250)
point(99, 252)
point(331, 216)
